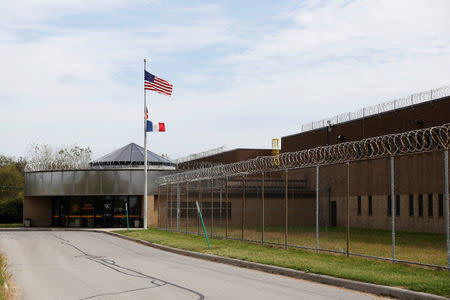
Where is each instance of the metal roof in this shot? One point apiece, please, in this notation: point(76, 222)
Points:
point(131, 154)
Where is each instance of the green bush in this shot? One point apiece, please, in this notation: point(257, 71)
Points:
point(11, 210)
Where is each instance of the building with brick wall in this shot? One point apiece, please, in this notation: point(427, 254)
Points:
point(418, 182)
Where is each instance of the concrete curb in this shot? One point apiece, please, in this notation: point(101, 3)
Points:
point(380, 290)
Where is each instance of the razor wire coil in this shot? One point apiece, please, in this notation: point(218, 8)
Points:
point(410, 142)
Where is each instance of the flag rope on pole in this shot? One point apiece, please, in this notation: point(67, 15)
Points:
point(145, 149)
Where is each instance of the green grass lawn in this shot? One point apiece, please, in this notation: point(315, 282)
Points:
point(360, 269)
point(11, 225)
point(3, 293)
point(2, 280)
point(428, 248)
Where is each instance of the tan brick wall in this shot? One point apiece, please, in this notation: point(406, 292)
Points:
point(152, 210)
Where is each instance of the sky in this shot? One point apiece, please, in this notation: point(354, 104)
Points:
point(244, 72)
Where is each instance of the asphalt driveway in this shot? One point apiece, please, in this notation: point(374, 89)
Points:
point(89, 265)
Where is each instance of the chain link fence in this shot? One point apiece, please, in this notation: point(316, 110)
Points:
point(413, 99)
point(384, 198)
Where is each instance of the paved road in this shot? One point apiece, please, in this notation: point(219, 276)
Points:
point(89, 265)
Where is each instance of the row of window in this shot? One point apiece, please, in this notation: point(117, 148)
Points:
point(95, 211)
point(430, 203)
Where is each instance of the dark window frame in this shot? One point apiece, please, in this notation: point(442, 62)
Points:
point(397, 205)
point(420, 205)
point(441, 205)
point(430, 205)
point(389, 205)
point(370, 205)
point(411, 205)
point(359, 206)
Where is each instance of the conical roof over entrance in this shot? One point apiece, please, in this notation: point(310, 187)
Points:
point(132, 155)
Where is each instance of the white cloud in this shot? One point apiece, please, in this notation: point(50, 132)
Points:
point(32, 12)
point(326, 58)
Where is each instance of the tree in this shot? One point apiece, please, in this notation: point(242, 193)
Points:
point(19, 164)
point(11, 177)
point(11, 189)
point(45, 157)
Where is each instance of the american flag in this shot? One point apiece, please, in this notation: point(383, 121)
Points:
point(153, 83)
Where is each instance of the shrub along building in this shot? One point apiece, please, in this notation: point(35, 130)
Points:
point(96, 195)
point(419, 178)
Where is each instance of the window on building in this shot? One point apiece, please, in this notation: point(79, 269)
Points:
point(119, 206)
point(420, 205)
point(411, 205)
point(359, 205)
point(120, 212)
point(397, 205)
point(370, 205)
point(430, 205)
point(389, 205)
point(441, 205)
point(134, 206)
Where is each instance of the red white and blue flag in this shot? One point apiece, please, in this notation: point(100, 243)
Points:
point(155, 126)
point(153, 83)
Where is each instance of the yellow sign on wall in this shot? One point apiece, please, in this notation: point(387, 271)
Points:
point(276, 151)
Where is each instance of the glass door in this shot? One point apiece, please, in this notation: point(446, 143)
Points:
point(75, 212)
point(60, 214)
point(108, 211)
point(120, 214)
point(134, 210)
point(87, 212)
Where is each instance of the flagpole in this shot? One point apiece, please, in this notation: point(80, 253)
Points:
point(145, 151)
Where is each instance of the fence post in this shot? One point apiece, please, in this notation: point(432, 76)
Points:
point(286, 212)
point(167, 203)
point(393, 208)
point(447, 207)
point(220, 204)
point(171, 208)
point(159, 206)
point(199, 201)
point(317, 209)
point(226, 207)
point(178, 207)
point(263, 209)
point(348, 209)
point(187, 205)
point(212, 207)
point(243, 207)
